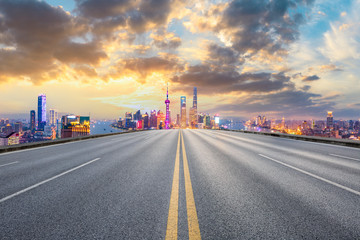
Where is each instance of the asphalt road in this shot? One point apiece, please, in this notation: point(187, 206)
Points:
point(197, 184)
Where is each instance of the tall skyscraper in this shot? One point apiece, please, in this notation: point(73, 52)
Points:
point(183, 111)
point(193, 116)
point(53, 117)
point(145, 117)
point(128, 119)
point(195, 100)
point(41, 112)
point(32, 121)
point(160, 120)
point(167, 103)
point(137, 116)
point(153, 119)
point(330, 120)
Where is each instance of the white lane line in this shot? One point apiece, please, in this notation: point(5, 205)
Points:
point(45, 181)
point(313, 175)
point(8, 164)
point(344, 157)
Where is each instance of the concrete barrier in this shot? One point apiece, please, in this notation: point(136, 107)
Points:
point(343, 142)
point(56, 141)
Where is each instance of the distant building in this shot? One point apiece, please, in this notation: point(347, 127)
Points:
point(9, 139)
point(75, 126)
point(160, 120)
point(53, 117)
point(32, 121)
point(153, 119)
point(194, 119)
point(18, 127)
point(137, 115)
point(145, 118)
point(41, 112)
point(128, 120)
point(330, 120)
point(167, 103)
point(183, 112)
point(8, 129)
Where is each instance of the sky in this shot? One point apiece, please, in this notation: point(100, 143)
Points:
point(292, 58)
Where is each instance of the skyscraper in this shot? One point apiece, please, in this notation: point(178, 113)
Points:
point(32, 121)
point(145, 117)
point(330, 120)
point(41, 112)
point(183, 111)
point(153, 119)
point(53, 117)
point(193, 117)
point(128, 119)
point(195, 102)
point(167, 103)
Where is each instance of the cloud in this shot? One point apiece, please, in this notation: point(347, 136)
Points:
point(295, 103)
point(165, 40)
point(330, 67)
point(310, 78)
point(342, 41)
point(226, 80)
point(261, 25)
point(71, 52)
point(142, 67)
point(150, 13)
point(222, 55)
point(104, 8)
point(37, 37)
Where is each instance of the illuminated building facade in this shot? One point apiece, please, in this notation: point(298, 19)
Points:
point(41, 112)
point(75, 126)
point(10, 139)
point(145, 118)
point(160, 120)
point(153, 119)
point(128, 119)
point(183, 111)
point(194, 119)
point(53, 117)
point(18, 127)
point(167, 103)
point(330, 120)
point(32, 121)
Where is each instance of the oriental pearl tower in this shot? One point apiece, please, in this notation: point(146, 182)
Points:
point(167, 102)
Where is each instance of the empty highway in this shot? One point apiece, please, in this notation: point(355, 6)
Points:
point(181, 184)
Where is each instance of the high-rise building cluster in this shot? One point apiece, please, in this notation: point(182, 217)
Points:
point(342, 129)
point(43, 126)
point(159, 120)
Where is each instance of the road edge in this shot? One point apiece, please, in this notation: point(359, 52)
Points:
point(11, 148)
point(334, 141)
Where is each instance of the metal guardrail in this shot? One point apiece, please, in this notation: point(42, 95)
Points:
point(342, 142)
point(56, 141)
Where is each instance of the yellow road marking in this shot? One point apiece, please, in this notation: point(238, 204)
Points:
point(193, 223)
point(172, 223)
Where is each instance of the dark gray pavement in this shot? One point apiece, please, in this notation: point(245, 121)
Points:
point(245, 186)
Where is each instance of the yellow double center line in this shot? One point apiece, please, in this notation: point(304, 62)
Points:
point(193, 223)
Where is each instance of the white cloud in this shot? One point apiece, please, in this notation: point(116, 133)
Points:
point(342, 41)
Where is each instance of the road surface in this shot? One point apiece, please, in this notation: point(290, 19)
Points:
point(181, 184)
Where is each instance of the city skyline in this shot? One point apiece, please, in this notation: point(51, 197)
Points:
point(116, 57)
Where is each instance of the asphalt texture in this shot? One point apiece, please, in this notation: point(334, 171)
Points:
point(244, 186)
